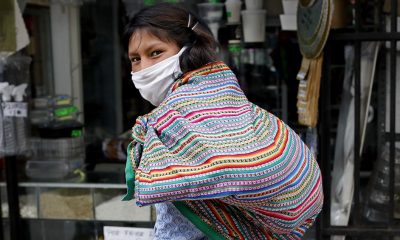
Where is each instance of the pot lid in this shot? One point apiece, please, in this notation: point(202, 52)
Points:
point(313, 25)
point(306, 3)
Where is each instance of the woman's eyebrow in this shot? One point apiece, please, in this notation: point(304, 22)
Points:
point(147, 48)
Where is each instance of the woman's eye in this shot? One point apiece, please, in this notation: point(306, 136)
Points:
point(134, 59)
point(155, 53)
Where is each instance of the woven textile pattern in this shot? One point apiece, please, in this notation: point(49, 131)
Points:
point(239, 168)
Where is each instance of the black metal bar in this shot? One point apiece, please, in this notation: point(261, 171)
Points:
point(357, 88)
point(12, 195)
point(381, 108)
point(357, 17)
point(393, 56)
point(1, 222)
point(364, 36)
point(363, 231)
point(324, 158)
point(388, 137)
point(377, 15)
point(357, 105)
point(358, 35)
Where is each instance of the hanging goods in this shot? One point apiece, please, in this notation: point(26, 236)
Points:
point(308, 93)
point(14, 73)
point(9, 143)
point(2, 137)
point(21, 117)
point(343, 166)
point(313, 24)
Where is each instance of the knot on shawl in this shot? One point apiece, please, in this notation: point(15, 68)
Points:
point(139, 129)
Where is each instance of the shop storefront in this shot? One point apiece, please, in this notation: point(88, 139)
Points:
point(327, 68)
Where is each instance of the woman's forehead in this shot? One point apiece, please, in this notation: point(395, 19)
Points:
point(143, 38)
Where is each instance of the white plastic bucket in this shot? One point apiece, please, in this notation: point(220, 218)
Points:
point(289, 7)
point(233, 8)
point(214, 27)
point(254, 25)
point(254, 4)
point(210, 11)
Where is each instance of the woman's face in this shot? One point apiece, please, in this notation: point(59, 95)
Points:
point(146, 50)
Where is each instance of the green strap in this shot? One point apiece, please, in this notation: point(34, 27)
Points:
point(129, 176)
point(197, 221)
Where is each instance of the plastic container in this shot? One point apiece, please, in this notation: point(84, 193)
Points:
point(214, 27)
point(62, 100)
point(288, 22)
point(211, 12)
point(47, 169)
point(235, 50)
point(42, 102)
point(61, 148)
point(254, 4)
point(65, 113)
point(289, 7)
point(378, 194)
point(233, 8)
point(254, 25)
point(40, 116)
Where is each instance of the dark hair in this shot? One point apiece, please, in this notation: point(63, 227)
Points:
point(170, 22)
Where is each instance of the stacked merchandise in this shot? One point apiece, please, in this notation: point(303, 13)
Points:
point(211, 12)
point(308, 93)
point(58, 148)
point(254, 21)
point(313, 27)
point(378, 196)
point(48, 110)
point(288, 18)
point(13, 115)
point(233, 8)
point(14, 134)
point(343, 166)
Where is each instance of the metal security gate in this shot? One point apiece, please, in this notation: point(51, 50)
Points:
point(385, 100)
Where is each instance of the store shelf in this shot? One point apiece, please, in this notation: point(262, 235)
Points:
point(68, 185)
point(68, 203)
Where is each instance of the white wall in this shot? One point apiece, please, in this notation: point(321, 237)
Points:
point(65, 32)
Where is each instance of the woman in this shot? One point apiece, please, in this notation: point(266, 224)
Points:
point(215, 165)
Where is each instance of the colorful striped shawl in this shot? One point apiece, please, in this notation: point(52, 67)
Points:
point(233, 169)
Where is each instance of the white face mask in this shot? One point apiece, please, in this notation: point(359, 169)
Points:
point(154, 82)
